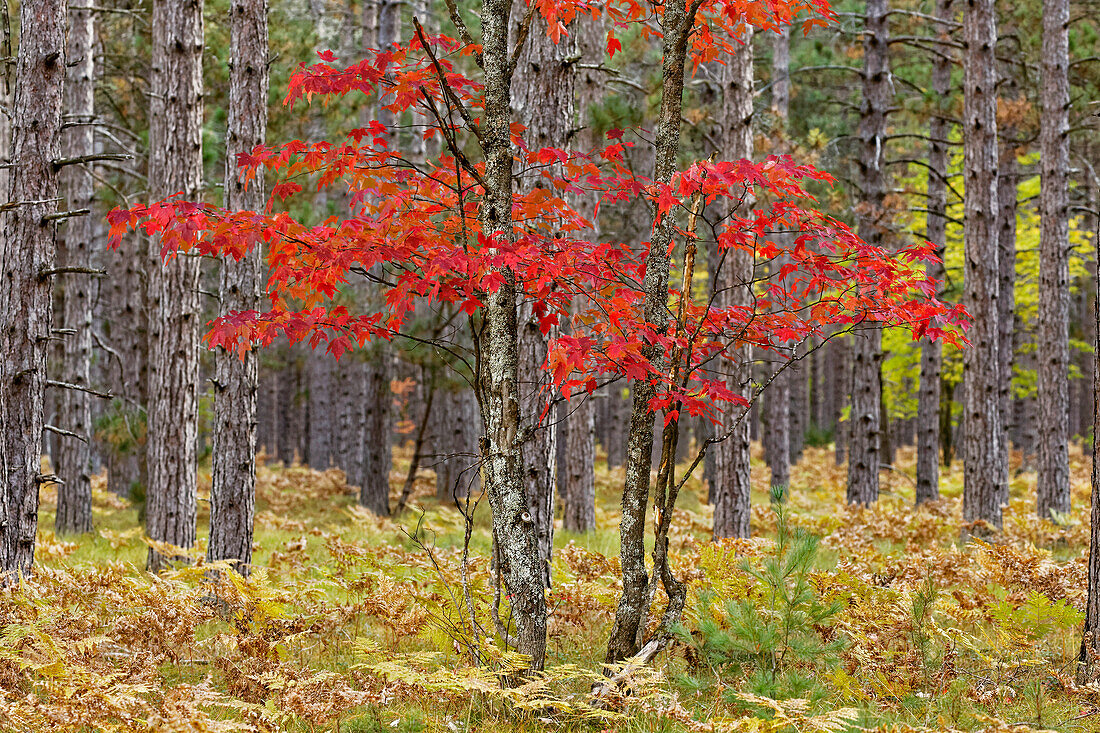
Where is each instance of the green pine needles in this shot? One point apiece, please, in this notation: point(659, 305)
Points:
point(778, 637)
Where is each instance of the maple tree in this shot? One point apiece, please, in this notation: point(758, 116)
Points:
point(455, 229)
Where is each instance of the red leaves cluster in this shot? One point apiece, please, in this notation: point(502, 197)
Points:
point(412, 228)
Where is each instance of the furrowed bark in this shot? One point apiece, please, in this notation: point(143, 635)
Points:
point(733, 279)
point(985, 474)
point(865, 428)
point(931, 364)
point(1053, 338)
point(1090, 638)
point(175, 165)
point(233, 489)
point(74, 495)
point(26, 249)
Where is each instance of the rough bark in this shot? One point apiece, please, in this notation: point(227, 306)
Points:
point(27, 249)
point(733, 281)
point(1053, 337)
point(514, 531)
point(624, 641)
point(985, 473)
point(578, 479)
point(74, 495)
point(864, 436)
point(1007, 176)
point(175, 165)
point(377, 456)
point(233, 489)
point(320, 366)
point(931, 361)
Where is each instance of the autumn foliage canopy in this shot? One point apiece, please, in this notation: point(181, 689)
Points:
point(411, 227)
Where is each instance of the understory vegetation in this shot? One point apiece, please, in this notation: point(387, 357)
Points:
point(831, 618)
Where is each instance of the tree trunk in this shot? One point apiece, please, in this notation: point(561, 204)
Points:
point(377, 456)
point(864, 437)
point(931, 361)
point(514, 530)
point(1053, 337)
point(985, 474)
point(233, 489)
point(1007, 175)
point(731, 491)
point(26, 250)
point(175, 165)
point(74, 495)
point(1090, 638)
point(624, 642)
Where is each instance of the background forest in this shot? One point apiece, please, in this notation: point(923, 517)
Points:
point(871, 508)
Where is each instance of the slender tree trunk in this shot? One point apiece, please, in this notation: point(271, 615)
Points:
point(233, 490)
point(623, 642)
point(74, 495)
point(931, 364)
point(1090, 638)
point(985, 474)
point(1007, 175)
point(731, 491)
point(514, 530)
point(1053, 336)
point(26, 251)
point(865, 428)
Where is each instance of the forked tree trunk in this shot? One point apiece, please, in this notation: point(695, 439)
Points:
point(931, 363)
point(1053, 337)
point(26, 252)
point(74, 495)
point(514, 530)
point(865, 428)
point(175, 165)
point(233, 489)
point(624, 639)
point(731, 491)
point(984, 471)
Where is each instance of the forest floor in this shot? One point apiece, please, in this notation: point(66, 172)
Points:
point(891, 622)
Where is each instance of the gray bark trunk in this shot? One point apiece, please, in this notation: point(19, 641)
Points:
point(731, 490)
point(175, 165)
point(233, 489)
point(931, 363)
point(865, 429)
point(320, 366)
point(624, 640)
point(985, 474)
point(27, 248)
point(1090, 638)
point(1053, 336)
point(74, 495)
point(377, 456)
point(514, 530)
point(1007, 175)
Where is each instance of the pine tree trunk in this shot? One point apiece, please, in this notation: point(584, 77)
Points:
point(931, 364)
point(865, 428)
point(175, 165)
point(377, 455)
point(233, 489)
point(1007, 175)
point(985, 474)
point(1053, 336)
point(320, 365)
point(26, 250)
point(731, 490)
point(74, 495)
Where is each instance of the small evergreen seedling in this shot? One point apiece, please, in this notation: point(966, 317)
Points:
point(773, 636)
